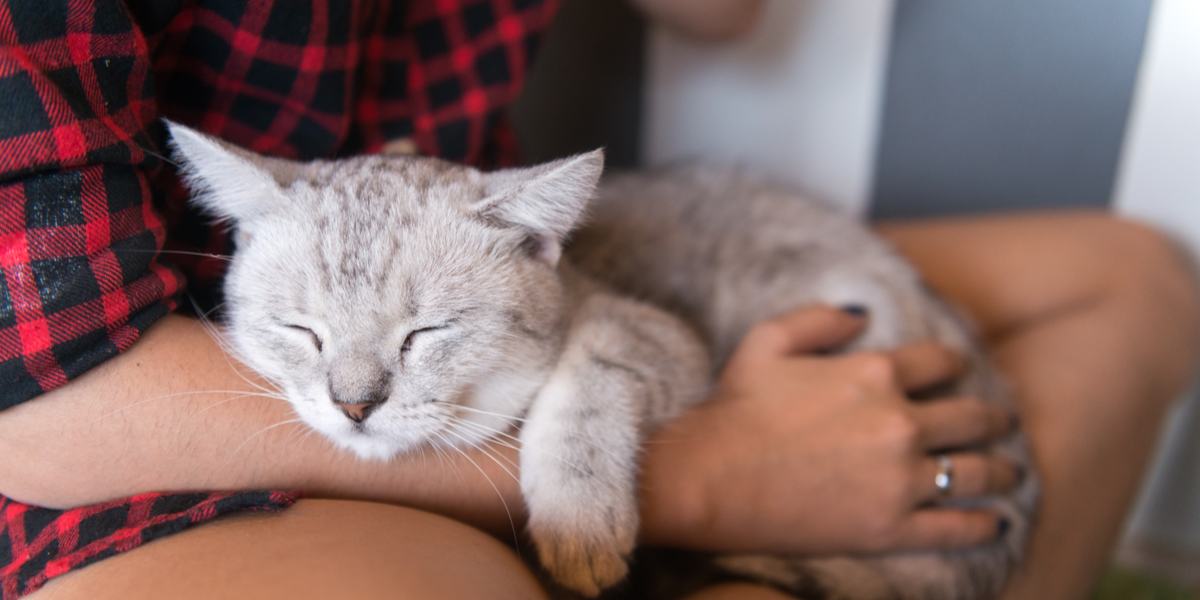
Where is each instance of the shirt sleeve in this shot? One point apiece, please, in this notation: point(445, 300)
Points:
point(80, 278)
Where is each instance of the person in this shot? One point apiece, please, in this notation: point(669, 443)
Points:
point(110, 393)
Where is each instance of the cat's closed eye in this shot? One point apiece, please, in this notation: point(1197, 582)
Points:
point(316, 339)
point(412, 335)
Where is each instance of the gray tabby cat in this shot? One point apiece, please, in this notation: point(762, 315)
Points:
point(404, 302)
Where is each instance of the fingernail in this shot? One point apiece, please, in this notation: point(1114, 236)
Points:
point(856, 310)
point(1002, 527)
point(1014, 422)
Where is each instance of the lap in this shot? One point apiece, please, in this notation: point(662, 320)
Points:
point(316, 549)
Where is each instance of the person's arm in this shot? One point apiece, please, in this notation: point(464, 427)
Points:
point(704, 19)
point(1097, 321)
point(175, 414)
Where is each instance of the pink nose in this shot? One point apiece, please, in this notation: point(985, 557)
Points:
point(359, 412)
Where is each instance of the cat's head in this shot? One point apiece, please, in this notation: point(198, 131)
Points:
point(396, 301)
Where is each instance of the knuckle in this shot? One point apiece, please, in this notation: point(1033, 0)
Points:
point(953, 361)
point(874, 368)
point(974, 474)
point(957, 529)
point(978, 417)
point(981, 527)
point(976, 409)
point(1004, 475)
point(771, 333)
point(899, 428)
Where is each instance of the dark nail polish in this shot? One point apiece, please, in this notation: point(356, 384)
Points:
point(1014, 422)
point(1002, 527)
point(856, 310)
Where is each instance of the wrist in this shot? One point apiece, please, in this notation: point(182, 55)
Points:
point(673, 491)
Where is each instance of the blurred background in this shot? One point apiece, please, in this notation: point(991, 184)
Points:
point(909, 108)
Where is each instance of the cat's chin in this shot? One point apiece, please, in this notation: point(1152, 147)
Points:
point(371, 448)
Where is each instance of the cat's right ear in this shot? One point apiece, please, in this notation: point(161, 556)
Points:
point(547, 201)
point(231, 183)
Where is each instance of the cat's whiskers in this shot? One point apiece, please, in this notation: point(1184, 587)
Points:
point(487, 432)
point(518, 440)
point(511, 522)
point(212, 255)
point(485, 451)
point(481, 411)
point(491, 431)
point(228, 351)
point(161, 157)
point(240, 396)
point(485, 429)
point(137, 403)
point(440, 444)
point(251, 437)
point(302, 434)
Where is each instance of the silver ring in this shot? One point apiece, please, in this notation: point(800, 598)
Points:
point(943, 482)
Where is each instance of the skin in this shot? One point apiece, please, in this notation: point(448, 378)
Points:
point(711, 20)
point(1095, 320)
point(318, 549)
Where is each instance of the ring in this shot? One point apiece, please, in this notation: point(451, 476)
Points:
point(944, 480)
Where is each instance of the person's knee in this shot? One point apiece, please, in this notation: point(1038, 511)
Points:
point(1154, 275)
point(1146, 258)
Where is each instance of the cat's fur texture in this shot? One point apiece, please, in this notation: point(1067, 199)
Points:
point(435, 295)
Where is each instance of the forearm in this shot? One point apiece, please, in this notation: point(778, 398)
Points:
point(708, 19)
point(173, 413)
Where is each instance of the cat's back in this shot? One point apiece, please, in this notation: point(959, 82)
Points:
point(726, 249)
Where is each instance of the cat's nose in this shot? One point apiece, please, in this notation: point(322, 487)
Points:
point(362, 397)
point(363, 406)
point(359, 411)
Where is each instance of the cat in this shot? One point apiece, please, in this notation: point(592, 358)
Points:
point(407, 302)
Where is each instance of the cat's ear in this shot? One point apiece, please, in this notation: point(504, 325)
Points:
point(230, 182)
point(546, 201)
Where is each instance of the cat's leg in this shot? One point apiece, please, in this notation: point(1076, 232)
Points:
point(624, 367)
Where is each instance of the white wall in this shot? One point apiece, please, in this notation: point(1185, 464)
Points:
point(1160, 170)
point(1160, 183)
point(797, 98)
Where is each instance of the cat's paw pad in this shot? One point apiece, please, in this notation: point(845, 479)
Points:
point(582, 563)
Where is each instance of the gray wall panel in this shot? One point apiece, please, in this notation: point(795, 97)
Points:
point(996, 105)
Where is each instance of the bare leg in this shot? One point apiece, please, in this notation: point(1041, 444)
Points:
point(317, 549)
point(1096, 321)
point(739, 591)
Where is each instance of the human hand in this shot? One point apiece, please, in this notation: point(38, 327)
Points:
point(810, 454)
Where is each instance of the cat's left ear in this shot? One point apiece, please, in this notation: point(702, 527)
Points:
point(231, 183)
point(546, 201)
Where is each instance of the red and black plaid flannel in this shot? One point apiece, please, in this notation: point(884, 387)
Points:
point(86, 204)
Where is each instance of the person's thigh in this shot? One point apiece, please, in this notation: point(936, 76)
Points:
point(316, 549)
point(739, 591)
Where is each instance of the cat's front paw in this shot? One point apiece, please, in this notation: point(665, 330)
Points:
point(584, 555)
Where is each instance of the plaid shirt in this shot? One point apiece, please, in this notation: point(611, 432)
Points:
point(86, 204)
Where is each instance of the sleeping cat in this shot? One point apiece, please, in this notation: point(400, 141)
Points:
point(404, 302)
